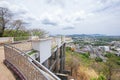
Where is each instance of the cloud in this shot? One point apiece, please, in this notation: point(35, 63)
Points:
point(85, 16)
point(19, 11)
point(48, 22)
point(14, 8)
point(4, 4)
point(59, 3)
point(106, 5)
point(68, 28)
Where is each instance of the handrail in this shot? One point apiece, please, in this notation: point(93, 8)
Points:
point(40, 65)
point(19, 69)
point(46, 70)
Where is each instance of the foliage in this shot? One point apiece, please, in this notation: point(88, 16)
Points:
point(118, 62)
point(13, 33)
point(5, 16)
point(83, 59)
point(99, 43)
point(106, 68)
point(21, 38)
point(98, 59)
point(72, 61)
point(101, 77)
point(68, 48)
point(86, 55)
point(8, 23)
point(111, 64)
point(32, 52)
point(38, 32)
point(109, 55)
point(19, 35)
point(109, 38)
point(93, 79)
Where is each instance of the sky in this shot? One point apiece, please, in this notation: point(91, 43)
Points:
point(68, 16)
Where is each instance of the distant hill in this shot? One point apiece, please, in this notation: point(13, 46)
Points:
point(86, 35)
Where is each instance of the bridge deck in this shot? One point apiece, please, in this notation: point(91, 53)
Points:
point(5, 73)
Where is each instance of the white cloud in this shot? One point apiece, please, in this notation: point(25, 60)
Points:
point(19, 11)
point(4, 4)
point(87, 16)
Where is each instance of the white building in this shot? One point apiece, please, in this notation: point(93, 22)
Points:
point(105, 48)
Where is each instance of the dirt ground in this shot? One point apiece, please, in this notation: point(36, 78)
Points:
point(5, 73)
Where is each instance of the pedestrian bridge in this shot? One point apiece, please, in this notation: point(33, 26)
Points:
point(26, 67)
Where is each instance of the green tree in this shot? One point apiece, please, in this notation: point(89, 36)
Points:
point(5, 17)
point(38, 32)
point(9, 24)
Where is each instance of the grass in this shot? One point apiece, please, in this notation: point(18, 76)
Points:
point(84, 71)
point(32, 52)
point(99, 67)
point(83, 58)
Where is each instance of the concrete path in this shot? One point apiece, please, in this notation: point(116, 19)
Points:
point(5, 73)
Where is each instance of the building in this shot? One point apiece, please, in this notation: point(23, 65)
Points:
point(104, 48)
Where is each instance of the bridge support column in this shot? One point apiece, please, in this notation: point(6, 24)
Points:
point(62, 58)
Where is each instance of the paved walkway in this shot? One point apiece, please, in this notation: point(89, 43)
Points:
point(5, 73)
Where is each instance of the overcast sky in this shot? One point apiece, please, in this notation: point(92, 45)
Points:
point(69, 16)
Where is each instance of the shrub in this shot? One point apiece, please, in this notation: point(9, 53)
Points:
point(68, 48)
point(118, 62)
point(86, 55)
point(93, 79)
point(98, 59)
point(21, 38)
point(109, 55)
point(101, 77)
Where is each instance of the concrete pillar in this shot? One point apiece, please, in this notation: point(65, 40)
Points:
point(61, 59)
point(64, 50)
point(44, 47)
point(57, 59)
point(58, 40)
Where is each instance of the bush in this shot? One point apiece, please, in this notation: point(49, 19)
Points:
point(93, 79)
point(86, 55)
point(118, 62)
point(14, 33)
point(98, 59)
point(101, 77)
point(21, 38)
point(109, 55)
point(68, 48)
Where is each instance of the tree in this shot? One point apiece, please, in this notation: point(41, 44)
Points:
point(15, 28)
point(5, 17)
point(17, 25)
point(38, 32)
